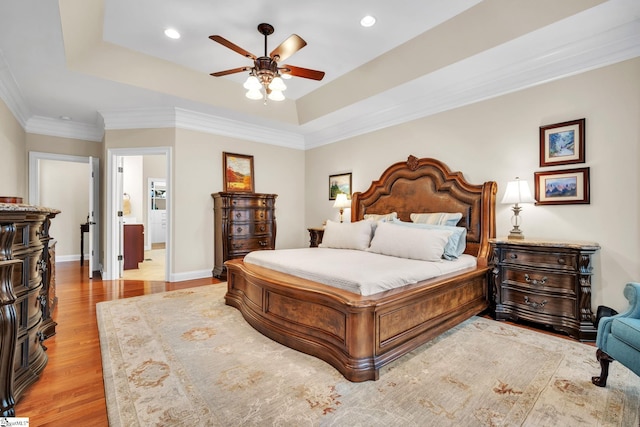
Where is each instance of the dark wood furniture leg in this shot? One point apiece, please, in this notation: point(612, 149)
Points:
point(604, 360)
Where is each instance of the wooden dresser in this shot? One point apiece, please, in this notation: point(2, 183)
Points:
point(243, 222)
point(546, 282)
point(25, 313)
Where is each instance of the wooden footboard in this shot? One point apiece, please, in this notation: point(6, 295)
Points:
point(355, 334)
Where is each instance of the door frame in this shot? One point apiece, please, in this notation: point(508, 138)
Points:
point(34, 191)
point(112, 236)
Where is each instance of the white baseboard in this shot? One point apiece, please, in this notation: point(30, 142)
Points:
point(190, 275)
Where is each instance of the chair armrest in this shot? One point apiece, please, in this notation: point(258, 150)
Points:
point(631, 293)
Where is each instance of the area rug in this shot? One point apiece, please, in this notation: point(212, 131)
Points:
point(184, 358)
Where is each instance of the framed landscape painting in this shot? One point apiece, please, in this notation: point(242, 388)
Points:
point(238, 172)
point(339, 184)
point(562, 143)
point(563, 187)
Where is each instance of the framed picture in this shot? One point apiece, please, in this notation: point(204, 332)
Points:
point(562, 143)
point(339, 184)
point(563, 187)
point(238, 172)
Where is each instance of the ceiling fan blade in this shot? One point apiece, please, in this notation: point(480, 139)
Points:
point(288, 47)
point(232, 71)
point(235, 48)
point(302, 72)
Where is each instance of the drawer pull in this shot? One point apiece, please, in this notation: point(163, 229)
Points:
point(263, 243)
point(561, 261)
point(238, 215)
point(536, 305)
point(261, 215)
point(239, 229)
point(513, 256)
point(535, 282)
point(262, 228)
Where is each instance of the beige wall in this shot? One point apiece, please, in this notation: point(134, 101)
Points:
point(13, 179)
point(198, 174)
point(498, 140)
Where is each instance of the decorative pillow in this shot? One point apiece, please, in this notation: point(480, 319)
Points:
point(347, 235)
point(413, 243)
point(438, 218)
point(456, 244)
point(382, 217)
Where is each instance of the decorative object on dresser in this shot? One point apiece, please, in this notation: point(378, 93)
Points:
point(25, 310)
point(342, 203)
point(546, 282)
point(562, 143)
point(562, 187)
point(517, 192)
point(315, 236)
point(243, 222)
point(238, 172)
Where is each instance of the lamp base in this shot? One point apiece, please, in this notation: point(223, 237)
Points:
point(515, 235)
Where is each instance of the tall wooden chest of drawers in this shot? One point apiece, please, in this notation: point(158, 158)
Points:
point(243, 222)
point(545, 282)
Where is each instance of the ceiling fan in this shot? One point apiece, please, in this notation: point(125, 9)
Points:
point(266, 73)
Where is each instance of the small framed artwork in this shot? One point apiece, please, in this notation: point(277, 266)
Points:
point(238, 172)
point(563, 187)
point(562, 143)
point(339, 184)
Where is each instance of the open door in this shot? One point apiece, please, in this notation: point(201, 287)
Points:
point(119, 217)
point(93, 208)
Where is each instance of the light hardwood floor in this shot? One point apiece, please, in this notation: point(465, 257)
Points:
point(70, 391)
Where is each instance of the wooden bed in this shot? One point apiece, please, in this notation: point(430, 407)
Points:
point(360, 334)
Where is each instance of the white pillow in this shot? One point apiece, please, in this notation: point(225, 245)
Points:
point(456, 244)
point(382, 217)
point(438, 218)
point(406, 242)
point(347, 235)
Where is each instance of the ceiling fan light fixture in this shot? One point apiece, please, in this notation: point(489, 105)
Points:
point(277, 84)
point(252, 83)
point(276, 95)
point(254, 94)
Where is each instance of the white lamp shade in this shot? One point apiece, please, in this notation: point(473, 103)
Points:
point(517, 192)
point(341, 201)
point(276, 95)
point(252, 83)
point(277, 84)
point(254, 94)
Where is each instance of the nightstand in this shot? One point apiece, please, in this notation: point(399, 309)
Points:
point(546, 282)
point(315, 236)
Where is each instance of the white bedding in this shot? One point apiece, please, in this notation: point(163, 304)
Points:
point(357, 271)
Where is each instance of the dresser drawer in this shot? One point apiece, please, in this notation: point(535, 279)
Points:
point(248, 245)
point(251, 215)
point(250, 229)
point(540, 281)
point(253, 202)
point(539, 302)
point(554, 260)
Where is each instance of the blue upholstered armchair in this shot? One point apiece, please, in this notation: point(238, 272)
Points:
point(619, 337)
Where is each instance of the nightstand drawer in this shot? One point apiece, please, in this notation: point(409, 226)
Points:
point(537, 280)
point(539, 302)
point(554, 260)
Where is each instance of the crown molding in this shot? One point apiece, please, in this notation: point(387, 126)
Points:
point(11, 95)
point(64, 128)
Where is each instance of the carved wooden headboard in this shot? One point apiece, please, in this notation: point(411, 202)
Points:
point(428, 186)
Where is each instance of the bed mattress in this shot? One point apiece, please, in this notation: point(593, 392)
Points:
point(361, 272)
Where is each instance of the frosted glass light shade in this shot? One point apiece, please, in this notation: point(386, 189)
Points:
point(254, 94)
point(252, 83)
point(277, 84)
point(276, 95)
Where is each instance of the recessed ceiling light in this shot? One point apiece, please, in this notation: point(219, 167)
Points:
point(368, 21)
point(65, 118)
point(172, 33)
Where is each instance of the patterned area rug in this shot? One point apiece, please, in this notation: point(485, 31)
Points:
point(184, 358)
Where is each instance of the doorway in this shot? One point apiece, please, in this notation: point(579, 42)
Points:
point(118, 161)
